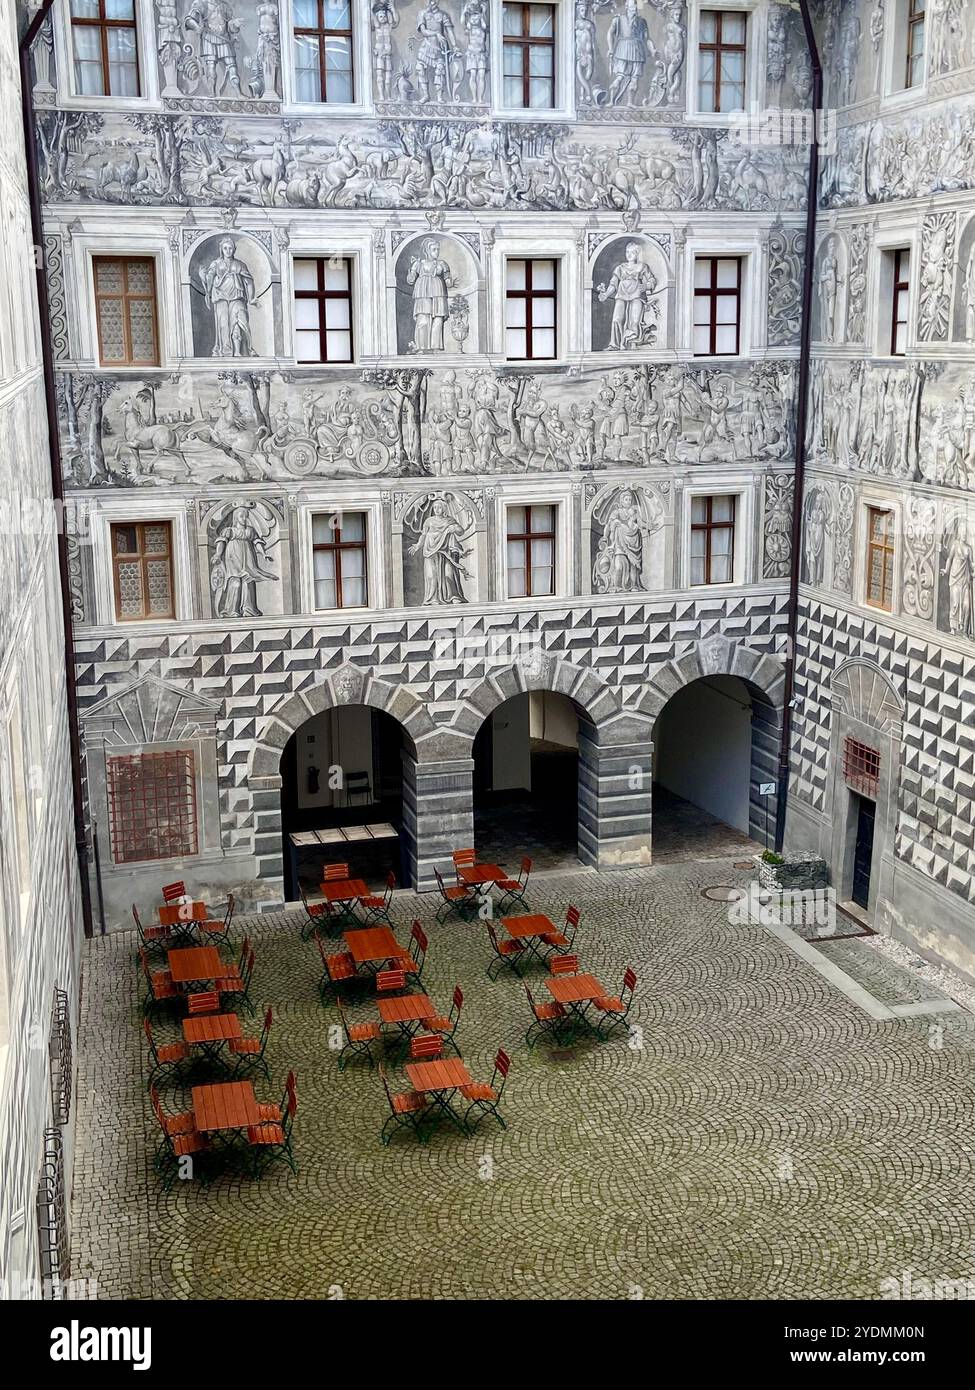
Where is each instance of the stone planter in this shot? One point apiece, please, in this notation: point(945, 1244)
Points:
point(799, 872)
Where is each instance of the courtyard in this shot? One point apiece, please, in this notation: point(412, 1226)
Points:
point(759, 1135)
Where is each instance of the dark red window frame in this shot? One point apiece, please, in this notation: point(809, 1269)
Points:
point(337, 546)
point(709, 526)
point(530, 536)
point(103, 24)
point(321, 33)
point(526, 41)
point(719, 47)
point(321, 294)
point(712, 293)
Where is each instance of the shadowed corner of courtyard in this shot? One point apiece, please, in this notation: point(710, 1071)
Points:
point(756, 1135)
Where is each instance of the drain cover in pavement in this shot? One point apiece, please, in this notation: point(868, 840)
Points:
point(722, 893)
point(744, 864)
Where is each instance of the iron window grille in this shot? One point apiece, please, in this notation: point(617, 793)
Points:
point(61, 1055)
point(54, 1246)
point(861, 767)
point(152, 806)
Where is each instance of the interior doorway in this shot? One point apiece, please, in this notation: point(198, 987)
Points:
point(526, 781)
point(711, 741)
point(343, 768)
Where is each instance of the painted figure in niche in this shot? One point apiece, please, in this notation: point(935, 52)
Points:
point(970, 297)
point(674, 49)
point(228, 289)
point(632, 287)
point(437, 53)
point(240, 561)
point(622, 557)
point(959, 570)
point(629, 49)
point(217, 26)
point(442, 543)
point(829, 284)
point(585, 49)
point(474, 19)
point(385, 18)
point(431, 278)
point(814, 536)
point(268, 58)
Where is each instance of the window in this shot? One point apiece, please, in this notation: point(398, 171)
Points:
point(142, 565)
point(915, 43)
point(528, 44)
point(531, 551)
point(530, 309)
point(323, 310)
point(339, 560)
point(880, 558)
point(323, 51)
point(861, 766)
point(106, 54)
point(900, 295)
point(152, 806)
point(125, 309)
point(712, 540)
point(717, 306)
point(721, 61)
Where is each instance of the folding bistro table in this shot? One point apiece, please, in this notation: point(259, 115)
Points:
point(439, 1080)
point(577, 992)
point(210, 1032)
point(481, 876)
point(529, 928)
point(407, 1011)
point(190, 965)
point(371, 946)
point(345, 892)
point(183, 918)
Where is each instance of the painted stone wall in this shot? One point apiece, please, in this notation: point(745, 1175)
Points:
point(223, 161)
point(895, 433)
point(40, 914)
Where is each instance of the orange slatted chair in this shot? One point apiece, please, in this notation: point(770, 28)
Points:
point(218, 928)
point(377, 908)
point(549, 1018)
point(463, 859)
point(272, 1140)
point(412, 961)
point(236, 986)
point(335, 968)
point(405, 1108)
point(562, 940)
point(172, 892)
point(426, 1047)
point(513, 890)
point(318, 915)
point(274, 1114)
point(151, 938)
point(446, 1025)
point(168, 1057)
point(564, 965)
point(457, 898)
point(616, 1008)
point(334, 872)
point(250, 1051)
point(390, 981)
point(159, 983)
point(205, 1001)
point(359, 1037)
point(506, 952)
point(485, 1096)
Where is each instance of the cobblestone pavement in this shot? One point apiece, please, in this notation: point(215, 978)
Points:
point(767, 1140)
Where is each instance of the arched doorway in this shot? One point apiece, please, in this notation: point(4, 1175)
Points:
point(341, 771)
point(526, 780)
point(715, 742)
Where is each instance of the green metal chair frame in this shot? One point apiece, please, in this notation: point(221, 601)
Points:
point(359, 1046)
point(613, 1018)
point(552, 1020)
point(248, 1062)
point(505, 953)
point(513, 890)
point(502, 1064)
point(411, 1118)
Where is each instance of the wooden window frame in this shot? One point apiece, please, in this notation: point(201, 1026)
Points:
point(321, 33)
point(337, 547)
point(899, 288)
point(143, 556)
point(916, 19)
point(713, 292)
point(103, 24)
point(887, 548)
point(126, 297)
point(709, 526)
point(321, 294)
point(718, 48)
point(526, 41)
point(123, 812)
point(530, 536)
point(529, 294)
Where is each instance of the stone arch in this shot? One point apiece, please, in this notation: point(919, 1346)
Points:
point(861, 690)
point(538, 671)
point(715, 656)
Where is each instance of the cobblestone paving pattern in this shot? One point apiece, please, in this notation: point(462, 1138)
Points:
point(768, 1140)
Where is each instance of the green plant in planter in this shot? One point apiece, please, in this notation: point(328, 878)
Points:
point(770, 857)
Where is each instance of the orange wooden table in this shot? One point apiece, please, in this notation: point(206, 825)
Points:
point(478, 875)
point(227, 1105)
point(190, 964)
point(172, 914)
point(529, 927)
point(439, 1080)
point(345, 892)
point(406, 1011)
point(211, 1028)
point(370, 944)
point(578, 992)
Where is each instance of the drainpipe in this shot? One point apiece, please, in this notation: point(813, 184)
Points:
point(57, 488)
point(802, 411)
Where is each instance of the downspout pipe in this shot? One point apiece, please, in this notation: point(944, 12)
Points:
point(802, 414)
point(57, 486)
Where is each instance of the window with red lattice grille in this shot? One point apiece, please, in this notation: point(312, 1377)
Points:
point(861, 766)
point(152, 806)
